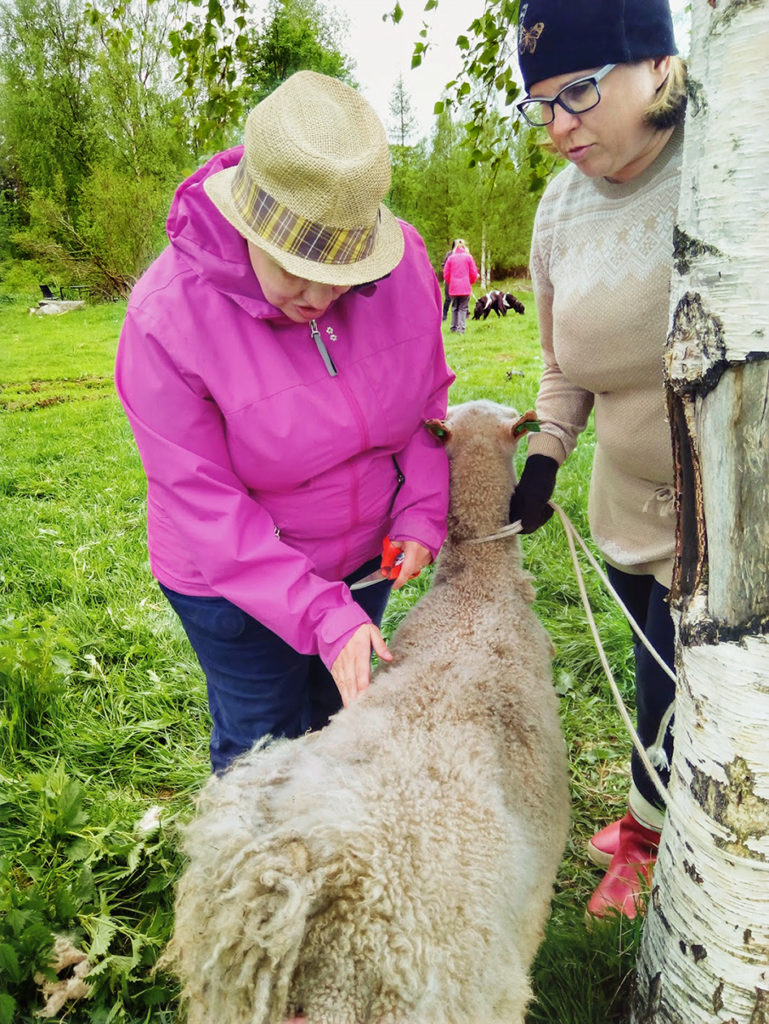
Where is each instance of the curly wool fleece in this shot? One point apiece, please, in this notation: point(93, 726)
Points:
point(398, 865)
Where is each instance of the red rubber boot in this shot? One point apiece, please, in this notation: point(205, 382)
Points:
point(623, 887)
point(603, 845)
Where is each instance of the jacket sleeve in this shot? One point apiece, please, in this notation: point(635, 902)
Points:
point(563, 408)
point(421, 505)
point(181, 440)
point(473, 271)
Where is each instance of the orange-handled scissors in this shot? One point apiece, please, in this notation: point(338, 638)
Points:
point(389, 568)
point(392, 558)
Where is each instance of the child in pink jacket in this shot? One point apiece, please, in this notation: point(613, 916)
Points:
point(460, 273)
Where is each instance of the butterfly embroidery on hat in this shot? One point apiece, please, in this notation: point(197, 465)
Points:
point(527, 37)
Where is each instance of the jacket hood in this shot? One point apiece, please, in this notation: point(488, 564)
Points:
point(210, 245)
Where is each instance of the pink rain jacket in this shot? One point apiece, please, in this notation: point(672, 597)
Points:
point(268, 479)
point(460, 272)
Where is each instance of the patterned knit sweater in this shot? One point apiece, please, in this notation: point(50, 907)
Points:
point(601, 264)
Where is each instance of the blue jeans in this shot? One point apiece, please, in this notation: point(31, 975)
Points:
point(645, 599)
point(257, 684)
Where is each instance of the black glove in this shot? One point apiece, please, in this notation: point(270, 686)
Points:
point(529, 502)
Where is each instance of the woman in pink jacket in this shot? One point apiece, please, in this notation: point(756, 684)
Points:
point(460, 273)
point(276, 364)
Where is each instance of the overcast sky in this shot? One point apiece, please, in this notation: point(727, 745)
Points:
point(382, 50)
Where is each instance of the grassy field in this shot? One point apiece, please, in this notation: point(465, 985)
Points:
point(102, 706)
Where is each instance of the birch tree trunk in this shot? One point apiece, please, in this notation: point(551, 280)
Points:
point(705, 950)
point(485, 272)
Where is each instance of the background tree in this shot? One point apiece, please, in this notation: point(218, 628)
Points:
point(143, 121)
point(704, 951)
point(209, 49)
point(437, 218)
point(514, 196)
point(226, 63)
point(294, 35)
point(407, 155)
point(104, 111)
point(491, 206)
point(499, 206)
point(48, 130)
point(487, 78)
point(89, 150)
point(403, 124)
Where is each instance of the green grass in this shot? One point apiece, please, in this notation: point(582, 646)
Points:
point(103, 709)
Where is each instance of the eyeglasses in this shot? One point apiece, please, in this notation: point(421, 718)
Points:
point(575, 98)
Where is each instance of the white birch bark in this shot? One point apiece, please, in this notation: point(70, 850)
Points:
point(705, 950)
point(485, 273)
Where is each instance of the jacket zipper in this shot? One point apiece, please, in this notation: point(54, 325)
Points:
point(324, 352)
point(360, 420)
point(400, 481)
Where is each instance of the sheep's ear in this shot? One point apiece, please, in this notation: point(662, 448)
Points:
point(528, 423)
point(439, 429)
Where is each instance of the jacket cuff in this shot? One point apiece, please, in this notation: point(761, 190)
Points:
point(336, 629)
point(547, 444)
point(412, 527)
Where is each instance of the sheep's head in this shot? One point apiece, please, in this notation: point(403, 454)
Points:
point(480, 439)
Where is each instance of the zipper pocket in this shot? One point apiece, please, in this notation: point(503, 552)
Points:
point(401, 479)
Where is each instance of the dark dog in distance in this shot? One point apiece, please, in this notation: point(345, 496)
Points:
point(500, 302)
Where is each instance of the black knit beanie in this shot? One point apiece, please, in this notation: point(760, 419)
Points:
point(556, 37)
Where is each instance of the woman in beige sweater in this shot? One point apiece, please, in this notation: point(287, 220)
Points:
point(603, 78)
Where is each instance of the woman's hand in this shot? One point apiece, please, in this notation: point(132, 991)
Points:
point(352, 669)
point(415, 558)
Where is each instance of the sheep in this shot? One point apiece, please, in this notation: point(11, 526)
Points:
point(498, 301)
point(397, 867)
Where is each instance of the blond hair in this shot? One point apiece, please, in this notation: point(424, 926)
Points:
point(669, 105)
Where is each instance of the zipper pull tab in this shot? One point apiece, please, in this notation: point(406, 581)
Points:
point(324, 352)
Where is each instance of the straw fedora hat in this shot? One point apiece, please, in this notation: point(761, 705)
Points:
point(309, 187)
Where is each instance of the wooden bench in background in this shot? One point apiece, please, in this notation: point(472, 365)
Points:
point(80, 290)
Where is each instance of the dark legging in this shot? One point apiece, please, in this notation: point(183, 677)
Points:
point(257, 684)
point(645, 599)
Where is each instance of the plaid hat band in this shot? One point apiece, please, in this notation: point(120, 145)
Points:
point(309, 186)
point(292, 233)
